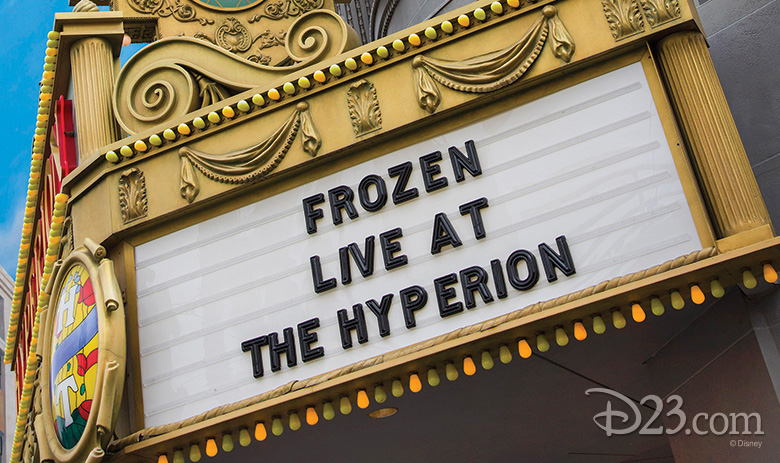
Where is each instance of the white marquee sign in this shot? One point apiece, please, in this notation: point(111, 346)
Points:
point(540, 201)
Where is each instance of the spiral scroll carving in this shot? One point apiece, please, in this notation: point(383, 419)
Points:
point(318, 35)
point(175, 76)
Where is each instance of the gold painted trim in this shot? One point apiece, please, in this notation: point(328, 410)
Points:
point(676, 143)
point(123, 255)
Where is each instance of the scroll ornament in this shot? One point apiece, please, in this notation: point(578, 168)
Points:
point(177, 75)
point(495, 70)
point(252, 163)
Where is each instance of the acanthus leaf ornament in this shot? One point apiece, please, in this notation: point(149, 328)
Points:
point(132, 195)
point(624, 17)
point(363, 108)
point(659, 12)
point(251, 163)
point(495, 70)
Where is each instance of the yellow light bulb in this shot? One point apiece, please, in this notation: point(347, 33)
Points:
point(469, 368)
point(598, 324)
point(276, 427)
point(397, 389)
point(433, 377)
point(243, 438)
point(451, 372)
point(328, 412)
point(211, 447)
point(657, 307)
point(260, 432)
point(227, 442)
point(486, 360)
point(770, 274)
point(748, 279)
point(380, 396)
point(294, 421)
point(345, 407)
point(580, 333)
point(717, 289)
point(618, 320)
point(362, 399)
point(561, 338)
point(195, 453)
point(162, 459)
point(542, 345)
point(504, 354)
point(311, 416)
point(637, 313)
point(697, 295)
point(677, 300)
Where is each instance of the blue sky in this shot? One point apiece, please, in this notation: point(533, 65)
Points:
point(23, 39)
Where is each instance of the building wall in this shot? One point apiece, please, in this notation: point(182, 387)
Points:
point(7, 384)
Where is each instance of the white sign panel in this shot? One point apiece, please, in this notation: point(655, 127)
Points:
point(589, 163)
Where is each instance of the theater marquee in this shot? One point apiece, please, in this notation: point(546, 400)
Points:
point(545, 199)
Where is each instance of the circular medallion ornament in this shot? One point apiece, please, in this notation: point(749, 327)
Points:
point(83, 358)
point(74, 355)
point(229, 4)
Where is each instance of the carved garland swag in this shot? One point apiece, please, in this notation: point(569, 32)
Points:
point(252, 163)
point(491, 71)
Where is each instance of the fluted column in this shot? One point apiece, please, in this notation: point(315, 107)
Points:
point(722, 167)
point(92, 64)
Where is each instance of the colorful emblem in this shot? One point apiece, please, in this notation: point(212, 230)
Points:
point(74, 355)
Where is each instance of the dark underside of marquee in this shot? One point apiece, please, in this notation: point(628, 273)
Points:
point(536, 410)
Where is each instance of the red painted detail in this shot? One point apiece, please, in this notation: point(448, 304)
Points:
point(87, 294)
point(66, 136)
point(85, 408)
point(86, 361)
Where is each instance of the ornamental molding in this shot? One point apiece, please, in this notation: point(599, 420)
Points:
point(495, 70)
point(132, 195)
point(175, 76)
point(83, 355)
point(251, 163)
point(627, 17)
point(363, 106)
